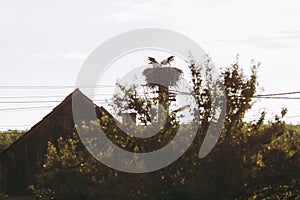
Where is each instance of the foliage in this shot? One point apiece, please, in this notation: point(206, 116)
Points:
point(3, 196)
point(290, 190)
point(131, 100)
point(8, 137)
point(69, 173)
point(252, 160)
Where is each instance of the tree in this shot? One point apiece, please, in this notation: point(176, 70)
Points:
point(8, 137)
point(252, 160)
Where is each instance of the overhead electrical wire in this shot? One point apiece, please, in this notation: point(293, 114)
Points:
point(28, 87)
point(24, 108)
point(42, 101)
point(273, 97)
point(44, 97)
point(294, 116)
point(261, 96)
point(277, 94)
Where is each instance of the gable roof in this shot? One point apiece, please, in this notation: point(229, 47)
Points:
point(68, 99)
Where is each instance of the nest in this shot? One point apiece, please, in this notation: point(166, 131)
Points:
point(166, 76)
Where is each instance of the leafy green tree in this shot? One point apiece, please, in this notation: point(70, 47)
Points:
point(252, 160)
point(8, 137)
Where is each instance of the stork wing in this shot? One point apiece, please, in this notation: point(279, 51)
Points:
point(170, 59)
point(152, 60)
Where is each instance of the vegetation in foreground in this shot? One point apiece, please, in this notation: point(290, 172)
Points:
point(8, 137)
point(252, 160)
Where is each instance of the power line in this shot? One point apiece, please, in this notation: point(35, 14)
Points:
point(38, 107)
point(106, 86)
point(262, 96)
point(273, 97)
point(9, 102)
point(294, 116)
point(45, 96)
point(278, 94)
point(52, 86)
point(179, 93)
point(24, 108)
point(43, 101)
point(7, 126)
point(267, 96)
point(293, 109)
point(29, 97)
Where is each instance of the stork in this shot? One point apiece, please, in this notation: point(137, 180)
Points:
point(167, 61)
point(153, 62)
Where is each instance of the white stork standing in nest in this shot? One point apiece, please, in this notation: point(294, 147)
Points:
point(153, 62)
point(162, 63)
point(167, 61)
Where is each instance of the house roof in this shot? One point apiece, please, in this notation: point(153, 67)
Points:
point(75, 93)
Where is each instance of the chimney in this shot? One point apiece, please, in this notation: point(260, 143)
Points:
point(129, 118)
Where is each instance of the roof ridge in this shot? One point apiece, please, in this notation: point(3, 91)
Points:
point(69, 97)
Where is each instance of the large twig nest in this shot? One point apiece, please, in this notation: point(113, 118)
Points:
point(166, 76)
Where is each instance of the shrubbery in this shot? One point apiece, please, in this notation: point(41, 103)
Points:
point(8, 137)
point(250, 161)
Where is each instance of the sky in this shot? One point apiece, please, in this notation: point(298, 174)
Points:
point(45, 43)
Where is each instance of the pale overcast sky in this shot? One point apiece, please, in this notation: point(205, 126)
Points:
point(46, 42)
